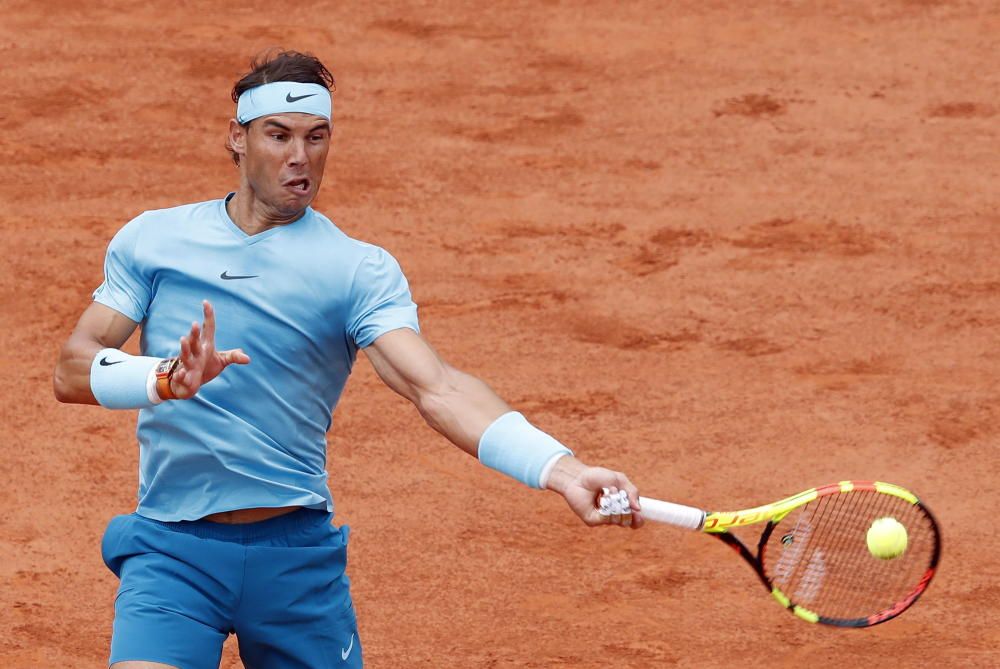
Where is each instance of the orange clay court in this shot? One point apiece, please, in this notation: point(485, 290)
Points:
point(734, 252)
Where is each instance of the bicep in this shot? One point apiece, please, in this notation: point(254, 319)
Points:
point(101, 326)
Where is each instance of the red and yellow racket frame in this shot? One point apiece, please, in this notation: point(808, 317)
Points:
point(720, 523)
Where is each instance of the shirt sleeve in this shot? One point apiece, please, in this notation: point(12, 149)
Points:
point(126, 289)
point(380, 299)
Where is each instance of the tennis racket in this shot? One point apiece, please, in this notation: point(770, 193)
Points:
point(812, 554)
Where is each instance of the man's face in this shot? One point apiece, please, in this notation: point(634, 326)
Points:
point(284, 158)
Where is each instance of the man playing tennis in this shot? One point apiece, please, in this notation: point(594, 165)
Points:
point(233, 531)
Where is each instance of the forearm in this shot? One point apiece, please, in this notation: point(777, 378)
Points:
point(71, 378)
point(461, 407)
point(116, 380)
point(98, 328)
point(469, 408)
point(472, 416)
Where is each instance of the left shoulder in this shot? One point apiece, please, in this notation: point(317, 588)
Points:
point(351, 251)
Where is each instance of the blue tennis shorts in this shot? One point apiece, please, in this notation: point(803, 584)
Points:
point(279, 585)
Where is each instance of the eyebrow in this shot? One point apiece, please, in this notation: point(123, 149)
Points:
point(323, 125)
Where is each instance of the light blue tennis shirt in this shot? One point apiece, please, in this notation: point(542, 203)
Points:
point(300, 299)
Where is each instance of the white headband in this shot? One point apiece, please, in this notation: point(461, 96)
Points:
point(282, 97)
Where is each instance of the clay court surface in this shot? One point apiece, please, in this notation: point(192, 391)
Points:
point(735, 253)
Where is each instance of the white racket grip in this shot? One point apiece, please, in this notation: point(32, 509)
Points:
point(678, 515)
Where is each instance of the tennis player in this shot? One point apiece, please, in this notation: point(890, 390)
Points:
point(233, 531)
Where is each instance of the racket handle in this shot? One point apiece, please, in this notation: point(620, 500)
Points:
point(677, 515)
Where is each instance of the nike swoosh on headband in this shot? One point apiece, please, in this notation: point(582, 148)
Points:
point(295, 98)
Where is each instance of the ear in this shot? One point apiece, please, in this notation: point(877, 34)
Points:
point(237, 139)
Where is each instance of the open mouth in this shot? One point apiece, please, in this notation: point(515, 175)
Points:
point(300, 186)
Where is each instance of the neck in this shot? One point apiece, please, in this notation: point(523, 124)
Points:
point(252, 215)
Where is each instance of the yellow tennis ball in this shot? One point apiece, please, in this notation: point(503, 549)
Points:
point(887, 538)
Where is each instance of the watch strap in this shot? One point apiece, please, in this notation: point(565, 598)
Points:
point(164, 372)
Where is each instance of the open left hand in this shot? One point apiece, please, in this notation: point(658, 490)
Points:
point(200, 362)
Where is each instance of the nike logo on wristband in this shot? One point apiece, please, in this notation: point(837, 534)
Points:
point(105, 363)
point(229, 277)
point(296, 98)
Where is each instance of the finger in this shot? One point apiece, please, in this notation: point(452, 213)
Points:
point(626, 508)
point(633, 498)
point(593, 519)
point(235, 356)
point(614, 506)
point(623, 507)
point(615, 517)
point(637, 521)
point(209, 321)
point(186, 356)
point(604, 502)
point(631, 489)
point(180, 376)
point(195, 339)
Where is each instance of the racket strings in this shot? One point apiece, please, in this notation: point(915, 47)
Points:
point(883, 577)
point(844, 539)
point(818, 555)
point(854, 562)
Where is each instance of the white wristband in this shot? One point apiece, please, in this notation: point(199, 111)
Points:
point(122, 381)
point(151, 393)
point(513, 446)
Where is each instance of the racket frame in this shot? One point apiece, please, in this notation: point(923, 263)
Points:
point(719, 523)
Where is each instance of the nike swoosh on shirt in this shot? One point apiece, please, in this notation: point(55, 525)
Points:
point(105, 363)
point(345, 653)
point(229, 277)
point(296, 98)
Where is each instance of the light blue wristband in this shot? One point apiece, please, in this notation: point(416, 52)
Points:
point(513, 446)
point(122, 381)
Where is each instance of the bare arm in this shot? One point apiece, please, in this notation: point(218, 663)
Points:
point(99, 327)
point(102, 327)
point(461, 407)
point(456, 404)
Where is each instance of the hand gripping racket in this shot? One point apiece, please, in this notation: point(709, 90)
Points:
point(812, 554)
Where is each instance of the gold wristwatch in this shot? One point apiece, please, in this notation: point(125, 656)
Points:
point(164, 371)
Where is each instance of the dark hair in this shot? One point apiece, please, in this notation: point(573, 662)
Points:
point(278, 65)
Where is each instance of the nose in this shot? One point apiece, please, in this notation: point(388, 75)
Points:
point(296, 152)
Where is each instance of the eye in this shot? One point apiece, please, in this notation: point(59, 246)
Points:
point(278, 136)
